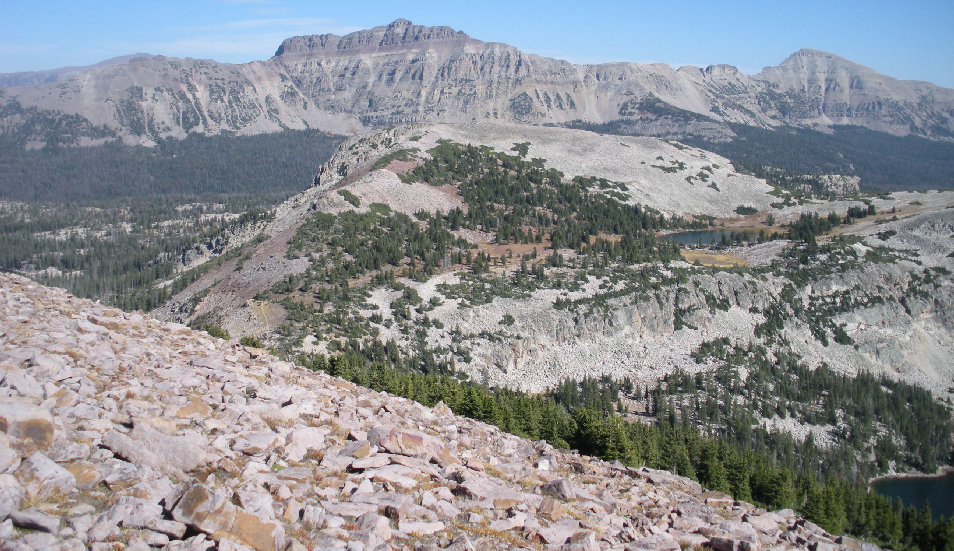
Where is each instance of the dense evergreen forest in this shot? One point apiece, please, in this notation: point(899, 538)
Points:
point(121, 250)
point(114, 222)
point(763, 469)
point(882, 161)
point(283, 162)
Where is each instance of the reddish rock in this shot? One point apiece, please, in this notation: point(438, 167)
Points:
point(211, 512)
point(410, 442)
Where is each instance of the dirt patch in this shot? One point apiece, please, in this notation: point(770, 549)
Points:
point(453, 192)
point(402, 167)
point(721, 260)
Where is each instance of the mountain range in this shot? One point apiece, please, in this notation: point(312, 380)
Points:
point(405, 73)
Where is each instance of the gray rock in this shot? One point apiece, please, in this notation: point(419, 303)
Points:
point(67, 452)
point(171, 528)
point(659, 542)
point(81, 524)
point(7, 531)
point(9, 458)
point(172, 455)
point(133, 512)
point(11, 494)
point(256, 442)
point(22, 382)
point(558, 533)
point(256, 501)
point(376, 524)
point(371, 462)
point(420, 528)
point(584, 540)
point(36, 540)
point(559, 489)
point(300, 440)
point(32, 519)
point(103, 529)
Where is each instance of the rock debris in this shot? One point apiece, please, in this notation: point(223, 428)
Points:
point(121, 432)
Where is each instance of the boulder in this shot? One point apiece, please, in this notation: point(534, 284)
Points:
point(559, 489)
point(11, 494)
point(172, 455)
point(29, 428)
point(32, 519)
point(134, 512)
point(256, 442)
point(299, 441)
point(410, 442)
point(40, 475)
point(211, 511)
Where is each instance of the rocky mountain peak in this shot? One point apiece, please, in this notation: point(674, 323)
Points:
point(721, 70)
point(807, 58)
point(398, 33)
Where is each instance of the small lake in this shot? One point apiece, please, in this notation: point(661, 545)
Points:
point(711, 237)
point(917, 491)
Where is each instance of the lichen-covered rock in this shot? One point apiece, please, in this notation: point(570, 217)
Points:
point(29, 427)
point(212, 512)
point(41, 476)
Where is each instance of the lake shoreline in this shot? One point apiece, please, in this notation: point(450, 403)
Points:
point(940, 473)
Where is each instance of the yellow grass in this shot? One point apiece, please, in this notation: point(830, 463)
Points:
point(722, 260)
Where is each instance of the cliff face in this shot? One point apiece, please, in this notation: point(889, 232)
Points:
point(402, 73)
point(117, 429)
point(823, 88)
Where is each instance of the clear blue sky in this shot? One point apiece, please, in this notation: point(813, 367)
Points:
point(908, 40)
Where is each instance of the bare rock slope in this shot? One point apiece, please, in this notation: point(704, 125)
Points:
point(118, 430)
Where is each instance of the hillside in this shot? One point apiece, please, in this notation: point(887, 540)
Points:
point(537, 259)
point(405, 73)
point(120, 430)
point(528, 320)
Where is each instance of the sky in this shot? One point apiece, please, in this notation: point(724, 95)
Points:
point(912, 40)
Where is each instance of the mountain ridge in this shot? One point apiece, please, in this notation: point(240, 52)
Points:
point(405, 73)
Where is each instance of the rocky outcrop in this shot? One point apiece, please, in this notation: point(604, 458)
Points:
point(404, 73)
point(163, 437)
point(400, 33)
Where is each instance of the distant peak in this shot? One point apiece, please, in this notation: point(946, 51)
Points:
point(400, 32)
point(812, 54)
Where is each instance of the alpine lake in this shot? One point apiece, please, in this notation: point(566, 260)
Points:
point(917, 491)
